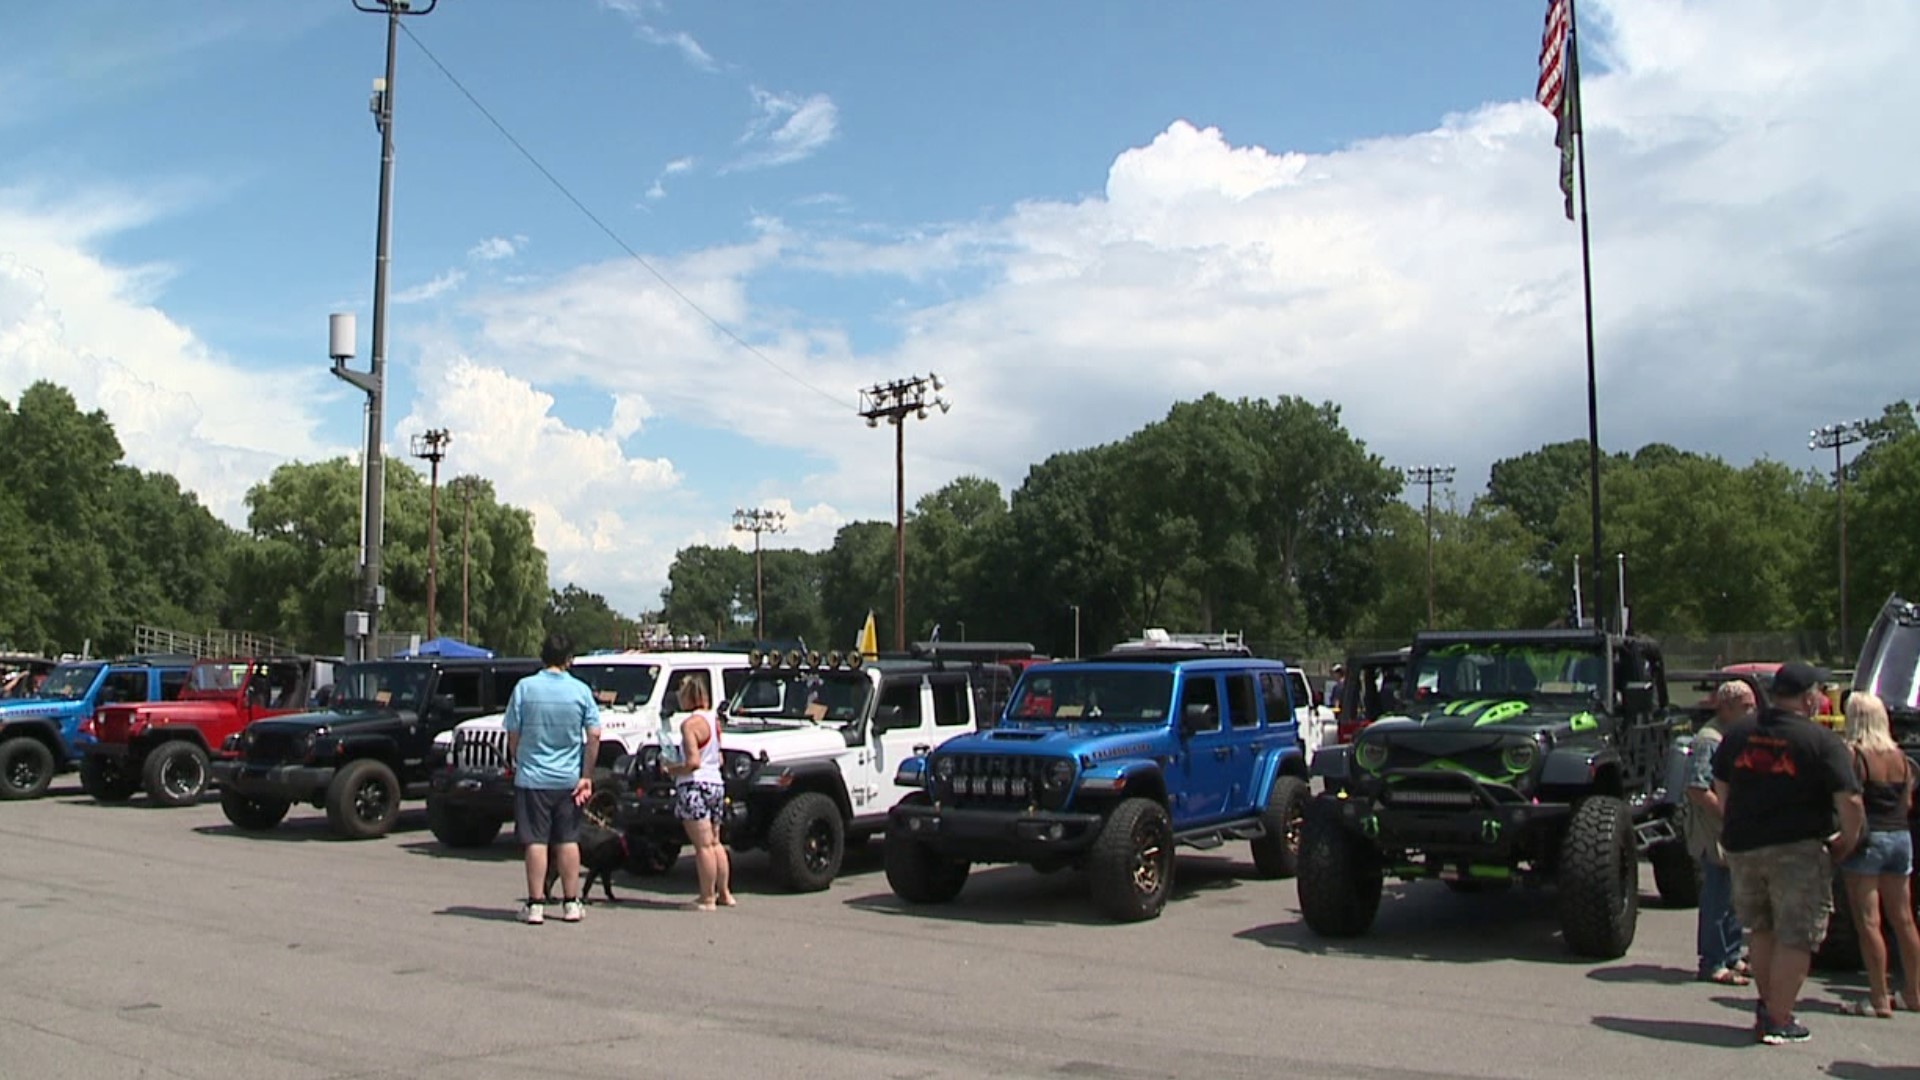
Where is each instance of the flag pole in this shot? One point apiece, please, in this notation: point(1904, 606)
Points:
point(1586, 282)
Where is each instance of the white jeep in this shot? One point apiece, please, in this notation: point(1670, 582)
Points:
point(470, 797)
point(810, 748)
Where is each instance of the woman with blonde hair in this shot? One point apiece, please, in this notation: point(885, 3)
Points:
point(1878, 873)
point(700, 795)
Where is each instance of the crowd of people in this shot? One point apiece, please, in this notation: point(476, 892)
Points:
point(1777, 803)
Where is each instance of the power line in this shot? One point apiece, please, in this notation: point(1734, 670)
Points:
point(605, 228)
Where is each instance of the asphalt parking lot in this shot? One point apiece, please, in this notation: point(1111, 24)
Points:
point(143, 942)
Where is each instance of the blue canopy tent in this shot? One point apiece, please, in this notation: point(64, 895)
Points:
point(445, 646)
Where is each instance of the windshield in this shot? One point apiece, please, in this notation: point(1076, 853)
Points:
point(619, 684)
point(387, 686)
point(70, 682)
point(1890, 662)
point(1115, 697)
point(834, 697)
point(1511, 669)
point(217, 678)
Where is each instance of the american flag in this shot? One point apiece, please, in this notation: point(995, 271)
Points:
point(1553, 55)
point(1559, 87)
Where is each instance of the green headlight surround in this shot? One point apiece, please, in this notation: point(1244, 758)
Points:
point(1370, 756)
point(1520, 757)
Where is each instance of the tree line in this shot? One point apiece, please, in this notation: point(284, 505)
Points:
point(1271, 519)
point(1264, 517)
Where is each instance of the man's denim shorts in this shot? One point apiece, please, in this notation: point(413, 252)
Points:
point(1889, 852)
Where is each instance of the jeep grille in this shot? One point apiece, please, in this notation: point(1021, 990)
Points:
point(1000, 781)
point(479, 749)
point(268, 747)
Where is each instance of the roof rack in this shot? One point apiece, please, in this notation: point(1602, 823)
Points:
point(1159, 640)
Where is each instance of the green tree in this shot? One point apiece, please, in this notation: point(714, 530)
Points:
point(1482, 576)
point(710, 591)
point(856, 577)
point(587, 619)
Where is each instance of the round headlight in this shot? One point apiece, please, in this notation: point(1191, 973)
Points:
point(738, 765)
point(1519, 757)
point(855, 659)
point(943, 768)
point(649, 758)
point(754, 658)
point(1059, 774)
point(794, 658)
point(1370, 756)
point(833, 659)
point(813, 659)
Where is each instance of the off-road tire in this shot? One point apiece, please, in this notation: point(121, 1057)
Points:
point(26, 767)
point(251, 813)
point(460, 826)
point(1340, 875)
point(1599, 882)
point(650, 858)
point(1277, 854)
point(1130, 866)
point(807, 842)
point(919, 874)
point(363, 801)
point(175, 774)
point(1676, 874)
point(106, 779)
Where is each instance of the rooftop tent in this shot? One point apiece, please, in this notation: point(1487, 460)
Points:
point(445, 646)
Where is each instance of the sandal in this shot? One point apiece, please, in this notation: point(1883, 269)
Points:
point(1727, 977)
point(1865, 1007)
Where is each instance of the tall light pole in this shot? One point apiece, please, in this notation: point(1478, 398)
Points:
point(373, 381)
point(1835, 437)
point(432, 447)
point(1430, 475)
point(894, 402)
point(757, 522)
point(466, 524)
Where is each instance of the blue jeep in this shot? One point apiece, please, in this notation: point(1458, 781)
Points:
point(47, 733)
point(1108, 764)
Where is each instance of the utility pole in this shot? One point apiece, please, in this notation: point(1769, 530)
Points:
point(894, 402)
point(757, 522)
point(364, 624)
point(1835, 437)
point(1076, 630)
point(1430, 475)
point(432, 447)
point(466, 524)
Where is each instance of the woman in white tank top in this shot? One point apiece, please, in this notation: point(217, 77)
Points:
point(700, 794)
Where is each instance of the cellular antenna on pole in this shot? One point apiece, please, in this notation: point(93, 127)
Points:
point(364, 623)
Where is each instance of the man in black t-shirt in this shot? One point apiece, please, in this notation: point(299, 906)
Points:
point(1792, 810)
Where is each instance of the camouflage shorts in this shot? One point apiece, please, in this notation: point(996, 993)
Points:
point(1784, 889)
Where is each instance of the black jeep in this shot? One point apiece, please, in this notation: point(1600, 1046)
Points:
point(368, 750)
point(1518, 756)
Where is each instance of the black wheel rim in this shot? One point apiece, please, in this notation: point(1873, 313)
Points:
point(182, 776)
point(372, 801)
point(22, 773)
point(1296, 824)
point(817, 852)
point(1149, 858)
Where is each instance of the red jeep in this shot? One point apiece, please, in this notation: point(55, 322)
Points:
point(164, 747)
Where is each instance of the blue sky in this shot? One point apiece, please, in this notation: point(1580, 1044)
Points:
point(1106, 206)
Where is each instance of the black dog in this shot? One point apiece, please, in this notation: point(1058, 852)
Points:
point(602, 851)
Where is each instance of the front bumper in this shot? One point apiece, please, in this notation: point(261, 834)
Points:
point(294, 783)
point(646, 813)
point(980, 835)
point(488, 791)
point(1453, 822)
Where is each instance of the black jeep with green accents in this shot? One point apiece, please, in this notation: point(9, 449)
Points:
point(1541, 757)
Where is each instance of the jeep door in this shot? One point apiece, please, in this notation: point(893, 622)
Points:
point(873, 790)
point(1206, 765)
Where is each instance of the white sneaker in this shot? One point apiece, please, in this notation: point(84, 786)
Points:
point(532, 914)
point(572, 911)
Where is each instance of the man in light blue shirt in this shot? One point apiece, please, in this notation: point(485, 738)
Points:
point(553, 739)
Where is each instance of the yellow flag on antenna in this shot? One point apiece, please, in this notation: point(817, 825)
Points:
point(869, 644)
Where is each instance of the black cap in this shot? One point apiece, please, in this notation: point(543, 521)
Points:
point(1796, 677)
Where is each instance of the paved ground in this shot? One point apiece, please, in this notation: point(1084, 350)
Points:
point(141, 942)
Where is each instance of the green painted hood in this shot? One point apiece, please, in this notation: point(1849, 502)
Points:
point(1500, 715)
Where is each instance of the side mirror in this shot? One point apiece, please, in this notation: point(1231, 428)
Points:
point(443, 704)
point(1197, 719)
point(887, 718)
point(1637, 698)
